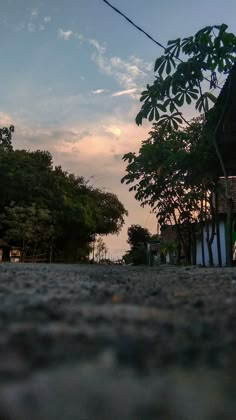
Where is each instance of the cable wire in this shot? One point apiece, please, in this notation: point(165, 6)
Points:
point(141, 30)
point(134, 24)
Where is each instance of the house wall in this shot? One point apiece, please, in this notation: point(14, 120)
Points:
point(214, 247)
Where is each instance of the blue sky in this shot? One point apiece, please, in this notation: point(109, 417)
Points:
point(71, 75)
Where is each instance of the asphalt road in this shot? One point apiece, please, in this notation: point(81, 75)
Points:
point(112, 342)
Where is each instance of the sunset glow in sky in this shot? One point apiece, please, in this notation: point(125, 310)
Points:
point(71, 76)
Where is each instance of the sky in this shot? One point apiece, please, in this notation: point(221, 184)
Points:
point(71, 76)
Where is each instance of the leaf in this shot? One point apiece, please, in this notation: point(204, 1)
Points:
point(151, 115)
point(188, 99)
point(173, 42)
point(162, 107)
point(175, 124)
point(144, 95)
point(157, 115)
point(168, 67)
point(139, 118)
point(161, 68)
point(179, 120)
point(207, 30)
point(222, 28)
point(193, 94)
point(174, 48)
point(211, 97)
point(187, 45)
point(158, 62)
point(179, 99)
point(199, 104)
point(166, 103)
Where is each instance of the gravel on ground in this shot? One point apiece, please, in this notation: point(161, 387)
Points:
point(93, 342)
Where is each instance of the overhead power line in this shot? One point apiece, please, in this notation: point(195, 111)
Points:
point(141, 30)
point(134, 24)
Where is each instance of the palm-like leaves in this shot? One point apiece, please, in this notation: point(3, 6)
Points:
point(210, 49)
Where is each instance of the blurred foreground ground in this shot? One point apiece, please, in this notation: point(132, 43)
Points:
point(116, 343)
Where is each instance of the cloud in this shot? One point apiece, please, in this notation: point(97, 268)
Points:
point(100, 48)
point(34, 24)
point(34, 13)
point(66, 35)
point(31, 27)
point(47, 19)
point(130, 73)
point(99, 91)
point(19, 27)
point(6, 119)
point(125, 92)
point(113, 130)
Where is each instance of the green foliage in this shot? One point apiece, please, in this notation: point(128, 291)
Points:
point(165, 173)
point(139, 255)
point(108, 212)
point(169, 247)
point(138, 237)
point(5, 137)
point(181, 70)
point(101, 249)
point(37, 200)
point(28, 226)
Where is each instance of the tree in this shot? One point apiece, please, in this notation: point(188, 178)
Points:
point(165, 175)
point(109, 212)
point(181, 79)
point(78, 211)
point(5, 137)
point(138, 237)
point(137, 234)
point(28, 226)
point(101, 249)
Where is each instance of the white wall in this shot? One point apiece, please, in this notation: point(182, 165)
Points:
point(214, 247)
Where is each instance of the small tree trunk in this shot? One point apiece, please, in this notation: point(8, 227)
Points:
point(202, 236)
point(194, 248)
point(210, 255)
point(218, 229)
point(229, 239)
point(210, 237)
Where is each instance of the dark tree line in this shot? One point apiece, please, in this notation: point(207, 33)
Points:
point(46, 209)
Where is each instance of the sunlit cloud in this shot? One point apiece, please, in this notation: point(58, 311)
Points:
point(5, 119)
point(99, 91)
point(125, 92)
point(66, 35)
point(130, 73)
point(114, 130)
